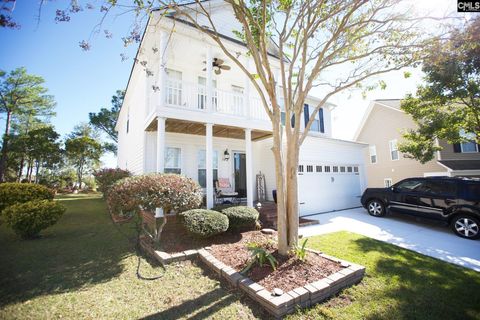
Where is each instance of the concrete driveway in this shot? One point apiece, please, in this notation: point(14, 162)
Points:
point(425, 237)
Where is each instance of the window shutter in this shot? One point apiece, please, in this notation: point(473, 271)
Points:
point(322, 125)
point(306, 113)
point(293, 121)
point(457, 148)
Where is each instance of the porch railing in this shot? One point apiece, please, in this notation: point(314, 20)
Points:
point(193, 96)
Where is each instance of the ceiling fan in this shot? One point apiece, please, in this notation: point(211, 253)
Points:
point(217, 65)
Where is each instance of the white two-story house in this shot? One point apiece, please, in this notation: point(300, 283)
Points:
point(191, 111)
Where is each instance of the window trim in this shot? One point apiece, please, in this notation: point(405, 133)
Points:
point(374, 148)
point(385, 182)
point(180, 162)
point(391, 150)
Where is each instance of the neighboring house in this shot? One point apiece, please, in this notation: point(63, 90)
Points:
point(381, 128)
point(205, 120)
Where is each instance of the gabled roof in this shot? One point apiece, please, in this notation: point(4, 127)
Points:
point(393, 104)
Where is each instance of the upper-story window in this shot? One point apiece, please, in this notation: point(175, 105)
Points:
point(373, 154)
point(202, 92)
point(318, 124)
point(392, 144)
point(174, 88)
point(173, 158)
point(469, 146)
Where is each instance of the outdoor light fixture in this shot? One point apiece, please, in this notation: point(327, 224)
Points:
point(226, 155)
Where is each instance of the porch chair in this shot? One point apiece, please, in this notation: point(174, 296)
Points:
point(223, 191)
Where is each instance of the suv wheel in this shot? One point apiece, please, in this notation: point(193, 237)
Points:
point(376, 208)
point(466, 226)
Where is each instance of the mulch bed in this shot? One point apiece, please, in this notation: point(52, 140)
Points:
point(290, 272)
point(231, 248)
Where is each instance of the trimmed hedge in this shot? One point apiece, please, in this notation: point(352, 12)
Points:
point(12, 193)
point(204, 223)
point(29, 218)
point(107, 177)
point(241, 216)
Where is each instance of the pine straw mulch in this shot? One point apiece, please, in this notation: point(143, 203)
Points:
point(290, 272)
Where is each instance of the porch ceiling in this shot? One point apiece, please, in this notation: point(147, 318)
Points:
point(197, 128)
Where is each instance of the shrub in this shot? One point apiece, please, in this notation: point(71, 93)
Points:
point(260, 256)
point(221, 207)
point(13, 193)
point(107, 177)
point(167, 191)
point(29, 218)
point(241, 217)
point(204, 223)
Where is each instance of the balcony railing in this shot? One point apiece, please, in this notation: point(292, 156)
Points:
point(193, 96)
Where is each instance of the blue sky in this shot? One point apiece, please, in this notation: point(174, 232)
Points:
point(81, 82)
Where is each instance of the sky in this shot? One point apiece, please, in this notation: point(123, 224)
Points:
point(84, 82)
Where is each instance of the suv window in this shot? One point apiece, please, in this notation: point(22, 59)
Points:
point(473, 191)
point(410, 185)
point(441, 187)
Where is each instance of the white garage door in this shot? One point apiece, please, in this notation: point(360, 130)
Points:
point(328, 187)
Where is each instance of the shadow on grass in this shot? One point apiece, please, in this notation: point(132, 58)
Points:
point(82, 249)
point(425, 288)
point(206, 305)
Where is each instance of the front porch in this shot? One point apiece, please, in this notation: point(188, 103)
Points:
point(205, 152)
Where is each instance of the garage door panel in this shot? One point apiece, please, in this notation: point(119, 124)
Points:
point(327, 192)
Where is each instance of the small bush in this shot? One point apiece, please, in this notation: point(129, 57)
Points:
point(107, 177)
point(29, 218)
point(204, 223)
point(167, 191)
point(241, 217)
point(221, 207)
point(13, 193)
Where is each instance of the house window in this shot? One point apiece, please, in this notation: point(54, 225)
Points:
point(373, 154)
point(309, 168)
point(355, 169)
point(469, 146)
point(202, 93)
point(202, 171)
point(319, 168)
point(174, 88)
point(349, 169)
point(342, 169)
point(173, 160)
point(387, 182)
point(393, 149)
point(327, 168)
point(317, 123)
point(300, 168)
point(237, 99)
point(335, 168)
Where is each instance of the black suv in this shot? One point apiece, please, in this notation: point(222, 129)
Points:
point(453, 200)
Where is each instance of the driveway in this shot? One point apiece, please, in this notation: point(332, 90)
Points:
point(425, 237)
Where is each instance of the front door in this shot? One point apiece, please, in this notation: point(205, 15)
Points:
point(240, 173)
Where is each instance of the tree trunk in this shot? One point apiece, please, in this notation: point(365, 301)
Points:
point(20, 170)
point(37, 170)
point(4, 156)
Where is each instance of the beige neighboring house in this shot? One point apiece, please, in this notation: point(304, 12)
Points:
point(381, 128)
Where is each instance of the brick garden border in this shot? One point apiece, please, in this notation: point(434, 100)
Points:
point(278, 306)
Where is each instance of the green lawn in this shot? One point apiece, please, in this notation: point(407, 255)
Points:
point(85, 268)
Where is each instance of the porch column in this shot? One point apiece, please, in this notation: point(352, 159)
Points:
point(162, 68)
point(209, 163)
point(249, 166)
point(160, 144)
point(209, 77)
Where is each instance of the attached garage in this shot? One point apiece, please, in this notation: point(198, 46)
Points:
point(324, 188)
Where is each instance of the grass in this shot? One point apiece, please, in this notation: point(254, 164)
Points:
point(84, 267)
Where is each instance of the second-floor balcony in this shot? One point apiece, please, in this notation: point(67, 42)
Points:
point(193, 97)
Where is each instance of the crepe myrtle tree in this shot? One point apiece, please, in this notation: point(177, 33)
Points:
point(330, 46)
